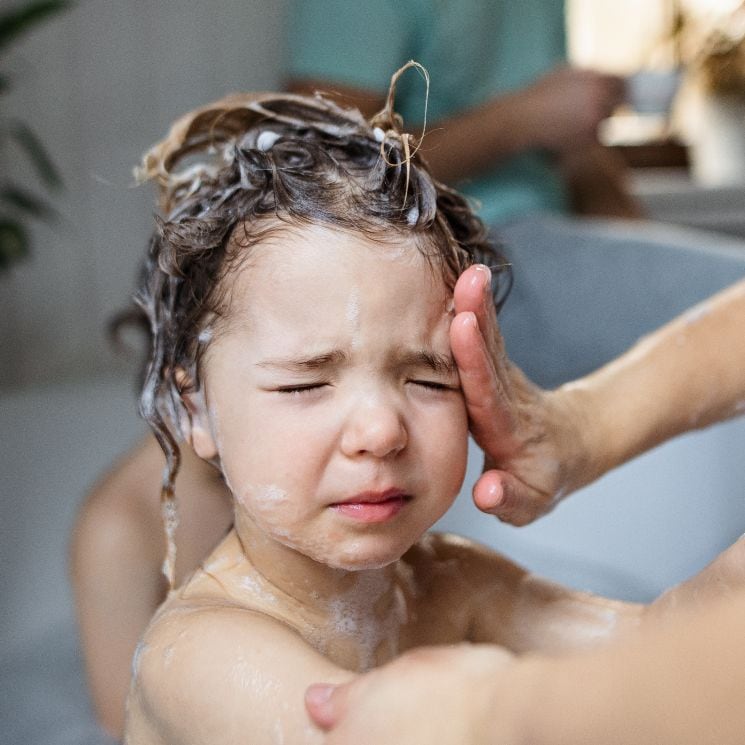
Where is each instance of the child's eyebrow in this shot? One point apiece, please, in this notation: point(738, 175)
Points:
point(321, 361)
point(439, 363)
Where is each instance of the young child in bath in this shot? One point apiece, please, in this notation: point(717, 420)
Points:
point(300, 292)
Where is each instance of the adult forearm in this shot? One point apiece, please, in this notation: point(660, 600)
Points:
point(476, 140)
point(675, 684)
point(687, 375)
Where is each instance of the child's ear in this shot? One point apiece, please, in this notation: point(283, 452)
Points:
point(196, 429)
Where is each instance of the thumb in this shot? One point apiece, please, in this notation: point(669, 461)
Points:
point(326, 704)
point(500, 494)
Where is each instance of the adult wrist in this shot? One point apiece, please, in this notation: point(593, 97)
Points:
point(584, 450)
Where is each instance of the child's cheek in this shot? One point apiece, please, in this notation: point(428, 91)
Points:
point(268, 506)
point(279, 517)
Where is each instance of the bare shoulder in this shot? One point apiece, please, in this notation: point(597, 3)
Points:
point(446, 555)
point(456, 582)
point(223, 674)
point(508, 605)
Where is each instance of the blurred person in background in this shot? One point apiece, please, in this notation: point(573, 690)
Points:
point(508, 120)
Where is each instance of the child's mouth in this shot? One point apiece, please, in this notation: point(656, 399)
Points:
point(373, 507)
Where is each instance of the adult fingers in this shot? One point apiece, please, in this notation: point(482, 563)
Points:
point(487, 399)
point(501, 494)
point(326, 704)
point(472, 293)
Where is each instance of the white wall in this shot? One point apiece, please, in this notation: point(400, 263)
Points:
point(99, 85)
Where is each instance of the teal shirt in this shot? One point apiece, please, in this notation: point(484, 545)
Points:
point(473, 49)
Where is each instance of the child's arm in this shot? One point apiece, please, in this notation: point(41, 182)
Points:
point(116, 555)
point(224, 676)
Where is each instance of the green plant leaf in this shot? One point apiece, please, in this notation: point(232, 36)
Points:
point(37, 154)
point(22, 18)
point(14, 242)
point(26, 202)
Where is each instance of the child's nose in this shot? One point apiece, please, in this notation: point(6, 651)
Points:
point(374, 427)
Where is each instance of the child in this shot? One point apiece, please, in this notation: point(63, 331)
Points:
point(116, 554)
point(299, 288)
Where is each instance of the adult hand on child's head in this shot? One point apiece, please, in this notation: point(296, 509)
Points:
point(438, 695)
point(531, 438)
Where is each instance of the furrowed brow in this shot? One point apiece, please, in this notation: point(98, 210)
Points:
point(316, 362)
point(439, 363)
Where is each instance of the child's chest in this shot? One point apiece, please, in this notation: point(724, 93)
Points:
point(421, 616)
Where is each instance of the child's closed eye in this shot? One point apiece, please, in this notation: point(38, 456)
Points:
point(305, 389)
point(435, 385)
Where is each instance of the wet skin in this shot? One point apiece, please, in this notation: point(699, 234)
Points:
point(332, 404)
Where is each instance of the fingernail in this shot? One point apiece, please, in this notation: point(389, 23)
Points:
point(468, 318)
point(494, 494)
point(482, 275)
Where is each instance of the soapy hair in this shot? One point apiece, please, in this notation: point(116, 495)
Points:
point(233, 172)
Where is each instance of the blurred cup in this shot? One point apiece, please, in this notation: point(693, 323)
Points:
point(652, 91)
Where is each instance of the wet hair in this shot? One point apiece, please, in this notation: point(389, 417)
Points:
point(237, 170)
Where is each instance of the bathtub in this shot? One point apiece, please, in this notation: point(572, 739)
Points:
point(636, 531)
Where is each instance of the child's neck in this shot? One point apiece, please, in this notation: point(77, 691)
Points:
point(352, 617)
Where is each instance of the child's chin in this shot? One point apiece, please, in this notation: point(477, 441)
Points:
point(366, 559)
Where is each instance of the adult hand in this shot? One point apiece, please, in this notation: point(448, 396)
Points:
point(532, 439)
point(569, 103)
point(453, 685)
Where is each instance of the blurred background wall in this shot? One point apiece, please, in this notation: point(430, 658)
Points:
point(100, 83)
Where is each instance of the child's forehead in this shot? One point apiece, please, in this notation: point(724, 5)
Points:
point(316, 253)
point(324, 272)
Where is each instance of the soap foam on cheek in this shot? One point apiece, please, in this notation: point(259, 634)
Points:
point(283, 518)
point(269, 503)
point(270, 508)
